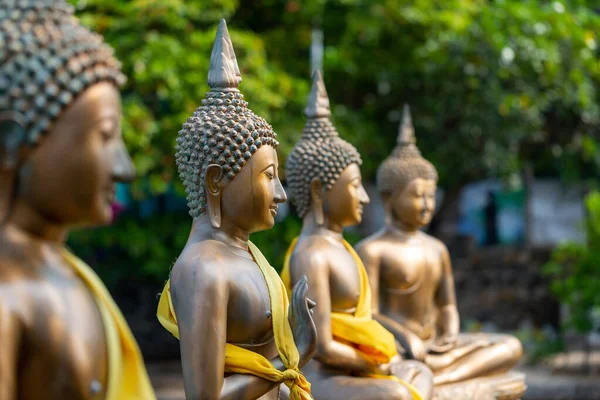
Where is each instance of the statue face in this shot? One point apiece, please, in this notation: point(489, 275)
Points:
point(70, 177)
point(251, 198)
point(415, 203)
point(345, 200)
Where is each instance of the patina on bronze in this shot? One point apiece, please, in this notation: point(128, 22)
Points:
point(61, 154)
point(411, 275)
point(227, 159)
point(323, 174)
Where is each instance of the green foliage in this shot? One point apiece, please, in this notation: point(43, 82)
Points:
point(165, 49)
point(133, 248)
point(492, 85)
point(574, 269)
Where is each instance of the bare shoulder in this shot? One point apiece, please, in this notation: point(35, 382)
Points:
point(435, 243)
point(201, 265)
point(311, 253)
point(372, 246)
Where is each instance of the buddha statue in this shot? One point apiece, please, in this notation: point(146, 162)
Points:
point(239, 337)
point(411, 277)
point(356, 357)
point(62, 337)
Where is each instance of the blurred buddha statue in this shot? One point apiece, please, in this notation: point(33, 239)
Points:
point(224, 302)
point(356, 357)
point(411, 276)
point(62, 337)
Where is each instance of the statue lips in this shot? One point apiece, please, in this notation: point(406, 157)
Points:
point(273, 210)
point(111, 195)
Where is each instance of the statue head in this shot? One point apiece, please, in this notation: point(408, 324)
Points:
point(61, 149)
point(407, 182)
point(323, 170)
point(226, 154)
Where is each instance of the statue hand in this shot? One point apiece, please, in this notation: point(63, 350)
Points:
point(444, 343)
point(386, 369)
point(405, 371)
point(301, 321)
point(417, 347)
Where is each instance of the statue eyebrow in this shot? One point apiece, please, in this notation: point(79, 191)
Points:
point(113, 117)
point(269, 166)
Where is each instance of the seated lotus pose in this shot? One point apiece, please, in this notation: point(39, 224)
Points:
point(62, 337)
point(356, 357)
point(224, 302)
point(411, 276)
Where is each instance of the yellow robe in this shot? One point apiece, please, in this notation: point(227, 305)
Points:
point(127, 375)
point(241, 361)
point(359, 330)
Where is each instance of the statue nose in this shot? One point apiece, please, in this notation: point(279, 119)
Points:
point(123, 169)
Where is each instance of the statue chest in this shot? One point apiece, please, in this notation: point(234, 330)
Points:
point(65, 344)
point(344, 281)
point(249, 319)
point(407, 269)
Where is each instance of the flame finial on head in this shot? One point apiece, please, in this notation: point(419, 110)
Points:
point(224, 73)
point(406, 132)
point(406, 162)
point(318, 101)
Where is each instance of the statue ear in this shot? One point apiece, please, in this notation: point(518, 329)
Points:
point(316, 197)
point(214, 191)
point(386, 200)
point(12, 139)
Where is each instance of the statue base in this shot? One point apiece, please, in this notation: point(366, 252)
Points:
point(507, 386)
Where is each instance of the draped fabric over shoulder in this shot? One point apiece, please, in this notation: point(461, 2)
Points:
point(127, 375)
point(359, 330)
point(242, 361)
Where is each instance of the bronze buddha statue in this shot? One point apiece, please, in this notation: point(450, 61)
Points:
point(62, 337)
point(411, 276)
point(356, 358)
point(224, 302)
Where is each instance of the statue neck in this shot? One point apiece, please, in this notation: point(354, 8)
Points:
point(228, 233)
point(329, 229)
point(33, 223)
point(398, 227)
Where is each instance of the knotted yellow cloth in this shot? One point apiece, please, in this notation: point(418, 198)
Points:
point(241, 361)
point(127, 375)
point(360, 330)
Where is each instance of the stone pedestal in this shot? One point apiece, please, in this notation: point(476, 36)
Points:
point(507, 386)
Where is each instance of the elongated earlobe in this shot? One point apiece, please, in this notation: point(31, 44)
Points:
point(316, 189)
point(12, 138)
point(214, 192)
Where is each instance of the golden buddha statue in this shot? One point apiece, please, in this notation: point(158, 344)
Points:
point(223, 301)
point(411, 276)
point(356, 357)
point(62, 337)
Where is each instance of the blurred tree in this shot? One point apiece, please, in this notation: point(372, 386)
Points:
point(574, 272)
point(493, 84)
point(165, 49)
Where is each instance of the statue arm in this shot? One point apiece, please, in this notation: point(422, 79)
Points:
point(329, 351)
point(446, 298)
point(202, 321)
point(415, 349)
point(9, 345)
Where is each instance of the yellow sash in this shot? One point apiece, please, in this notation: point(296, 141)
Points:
point(241, 361)
point(359, 330)
point(127, 375)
